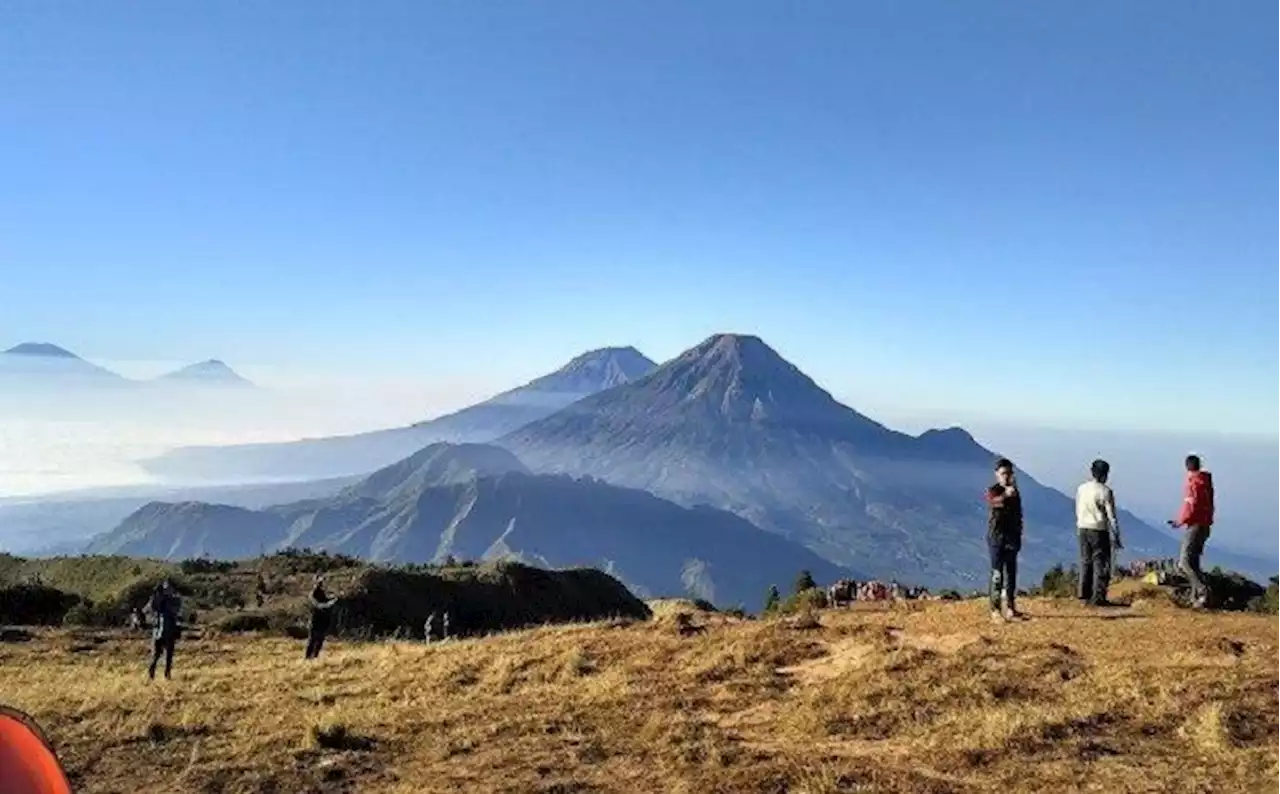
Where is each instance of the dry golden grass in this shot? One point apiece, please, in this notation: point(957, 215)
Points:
point(935, 699)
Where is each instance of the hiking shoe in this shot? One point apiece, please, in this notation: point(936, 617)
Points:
point(1013, 614)
point(996, 617)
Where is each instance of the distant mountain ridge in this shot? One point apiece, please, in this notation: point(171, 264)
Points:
point(44, 349)
point(477, 501)
point(37, 361)
point(339, 456)
point(732, 424)
point(44, 363)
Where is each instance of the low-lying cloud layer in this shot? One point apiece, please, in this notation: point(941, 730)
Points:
point(55, 441)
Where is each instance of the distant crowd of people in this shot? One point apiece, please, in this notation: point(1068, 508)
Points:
point(847, 591)
point(1163, 568)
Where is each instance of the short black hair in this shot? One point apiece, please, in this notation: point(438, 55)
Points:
point(1099, 469)
point(1193, 463)
point(1004, 463)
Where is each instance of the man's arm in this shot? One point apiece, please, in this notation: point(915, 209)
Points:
point(995, 496)
point(1189, 500)
point(1109, 505)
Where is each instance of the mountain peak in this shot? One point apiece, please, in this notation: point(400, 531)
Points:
point(596, 370)
point(953, 433)
point(740, 377)
point(42, 349)
point(209, 371)
point(727, 381)
point(437, 465)
point(953, 443)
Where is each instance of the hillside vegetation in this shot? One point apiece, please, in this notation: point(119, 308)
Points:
point(270, 593)
point(930, 697)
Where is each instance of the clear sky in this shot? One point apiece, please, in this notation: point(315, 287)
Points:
point(1053, 212)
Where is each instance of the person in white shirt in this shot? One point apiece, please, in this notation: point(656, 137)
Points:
point(1098, 528)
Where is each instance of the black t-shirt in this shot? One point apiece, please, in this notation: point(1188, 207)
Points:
point(319, 603)
point(1005, 519)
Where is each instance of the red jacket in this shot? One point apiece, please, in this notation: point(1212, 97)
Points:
point(1197, 502)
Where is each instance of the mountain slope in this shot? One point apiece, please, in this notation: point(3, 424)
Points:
point(339, 456)
point(478, 502)
point(206, 373)
point(191, 529)
point(732, 424)
point(35, 363)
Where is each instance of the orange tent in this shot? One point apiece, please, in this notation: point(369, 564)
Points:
point(28, 764)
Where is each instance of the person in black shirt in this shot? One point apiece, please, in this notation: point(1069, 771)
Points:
point(1004, 541)
point(165, 605)
point(321, 617)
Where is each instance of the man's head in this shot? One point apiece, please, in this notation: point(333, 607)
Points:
point(1193, 463)
point(1100, 470)
point(1004, 471)
point(166, 585)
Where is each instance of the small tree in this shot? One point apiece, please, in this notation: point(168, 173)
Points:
point(805, 582)
point(772, 600)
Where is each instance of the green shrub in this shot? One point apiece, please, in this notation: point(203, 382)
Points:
point(35, 605)
point(772, 600)
point(87, 613)
point(1266, 602)
point(243, 621)
point(1232, 591)
point(205, 565)
point(1060, 583)
point(804, 601)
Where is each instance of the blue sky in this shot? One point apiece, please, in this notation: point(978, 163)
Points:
point(1053, 213)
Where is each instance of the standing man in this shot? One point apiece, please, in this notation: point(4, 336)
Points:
point(165, 607)
point(1098, 528)
point(321, 617)
point(1004, 541)
point(1197, 517)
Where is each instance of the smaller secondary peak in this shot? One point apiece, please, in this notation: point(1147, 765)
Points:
point(209, 371)
point(44, 349)
point(624, 356)
point(948, 433)
point(597, 370)
point(953, 443)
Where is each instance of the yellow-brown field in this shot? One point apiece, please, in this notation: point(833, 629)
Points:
point(928, 699)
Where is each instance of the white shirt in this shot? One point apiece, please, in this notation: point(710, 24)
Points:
point(1096, 507)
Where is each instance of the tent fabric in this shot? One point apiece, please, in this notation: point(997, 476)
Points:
point(28, 764)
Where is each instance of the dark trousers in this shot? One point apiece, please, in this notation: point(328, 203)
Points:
point(315, 638)
point(1189, 561)
point(1095, 565)
point(1004, 575)
point(162, 646)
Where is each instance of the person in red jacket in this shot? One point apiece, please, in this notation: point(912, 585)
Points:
point(1197, 516)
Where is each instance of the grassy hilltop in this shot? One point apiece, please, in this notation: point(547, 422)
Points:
point(270, 593)
point(927, 698)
